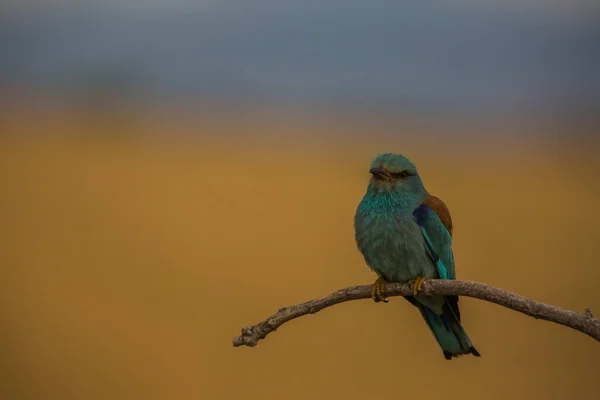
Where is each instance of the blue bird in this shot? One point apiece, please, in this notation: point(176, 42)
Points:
point(405, 235)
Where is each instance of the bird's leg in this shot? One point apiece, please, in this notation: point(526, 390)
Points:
point(417, 284)
point(378, 289)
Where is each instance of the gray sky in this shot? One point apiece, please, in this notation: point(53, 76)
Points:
point(427, 53)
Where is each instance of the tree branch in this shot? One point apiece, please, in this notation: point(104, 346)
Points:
point(585, 323)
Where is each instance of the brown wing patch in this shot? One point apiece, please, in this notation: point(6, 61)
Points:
point(437, 205)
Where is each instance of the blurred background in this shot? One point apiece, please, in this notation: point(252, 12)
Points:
point(171, 171)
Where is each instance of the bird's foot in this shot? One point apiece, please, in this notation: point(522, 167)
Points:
point(417, 284)
point(378, 290)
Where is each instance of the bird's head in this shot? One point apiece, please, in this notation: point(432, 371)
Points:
point(396, 175)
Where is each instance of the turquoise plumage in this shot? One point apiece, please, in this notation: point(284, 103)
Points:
point(403, 239)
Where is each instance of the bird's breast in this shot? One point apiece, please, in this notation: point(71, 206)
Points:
point(392, 245)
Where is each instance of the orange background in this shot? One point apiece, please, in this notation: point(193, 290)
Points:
point(130, 259)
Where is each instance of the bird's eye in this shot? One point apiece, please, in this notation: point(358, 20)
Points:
point(401, 174)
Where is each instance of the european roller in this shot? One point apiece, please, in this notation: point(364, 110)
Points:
point(405, 235)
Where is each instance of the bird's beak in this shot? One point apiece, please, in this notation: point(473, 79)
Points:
point(379, 172)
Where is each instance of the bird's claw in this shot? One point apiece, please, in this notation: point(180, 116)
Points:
point(378, 290)
point(417, 284)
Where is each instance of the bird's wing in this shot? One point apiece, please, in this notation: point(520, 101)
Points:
point(438, 240)
point(439, 207)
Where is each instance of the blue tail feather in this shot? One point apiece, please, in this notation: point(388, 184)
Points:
point(447, 329)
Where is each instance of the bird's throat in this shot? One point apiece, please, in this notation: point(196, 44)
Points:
point(380, 200)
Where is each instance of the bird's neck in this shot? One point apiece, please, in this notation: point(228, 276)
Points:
point(397, 201)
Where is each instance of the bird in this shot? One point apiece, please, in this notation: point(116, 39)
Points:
point(405, 235)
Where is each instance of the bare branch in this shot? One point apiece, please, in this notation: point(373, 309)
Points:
point(585, 323)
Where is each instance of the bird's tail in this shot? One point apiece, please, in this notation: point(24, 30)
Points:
point(447, 329)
